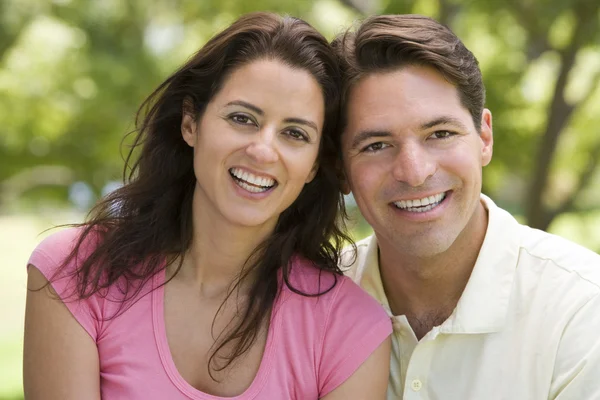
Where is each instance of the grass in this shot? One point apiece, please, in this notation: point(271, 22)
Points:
point(20, 234)
point(17, 240)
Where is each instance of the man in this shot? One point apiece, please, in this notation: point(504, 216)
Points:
point(482, 307)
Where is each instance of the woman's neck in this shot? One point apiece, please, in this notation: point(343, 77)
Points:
point(219, 250)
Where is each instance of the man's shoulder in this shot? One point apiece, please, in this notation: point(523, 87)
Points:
point(564, 254)
point(535, 247)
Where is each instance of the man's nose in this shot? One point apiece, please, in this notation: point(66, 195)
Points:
point(413, 164)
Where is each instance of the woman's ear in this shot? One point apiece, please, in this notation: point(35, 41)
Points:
point(345, 187)
point(188, 122)
point(341, 175)
point(313, 173)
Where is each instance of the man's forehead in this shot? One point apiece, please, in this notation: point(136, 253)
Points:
point(411, 95)
point(414, 80)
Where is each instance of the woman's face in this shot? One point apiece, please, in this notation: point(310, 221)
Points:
point(256, 144)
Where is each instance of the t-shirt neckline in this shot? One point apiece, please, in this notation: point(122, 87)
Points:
point(166, 358)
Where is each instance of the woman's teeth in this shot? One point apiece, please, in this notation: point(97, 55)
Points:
point(250, 182)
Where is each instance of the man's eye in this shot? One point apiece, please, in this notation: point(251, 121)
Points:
point(373, 147)
point(241, 119)
point(442, 134)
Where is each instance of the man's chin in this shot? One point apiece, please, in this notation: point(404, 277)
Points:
point(422, 246)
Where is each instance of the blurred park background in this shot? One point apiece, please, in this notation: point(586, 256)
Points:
point(72, 73)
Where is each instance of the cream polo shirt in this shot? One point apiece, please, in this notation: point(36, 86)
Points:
point(526, 327)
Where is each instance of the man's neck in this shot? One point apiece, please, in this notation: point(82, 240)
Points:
point(427, 290)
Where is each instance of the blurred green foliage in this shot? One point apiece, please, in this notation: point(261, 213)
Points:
point(72, 73)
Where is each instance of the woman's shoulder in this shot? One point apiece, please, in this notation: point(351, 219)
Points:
point(304, 276)
point(51, 258)
point(341, 327)
point(54, 249)
point(333, 290)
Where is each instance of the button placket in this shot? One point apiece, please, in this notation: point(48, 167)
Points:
point(419, 367)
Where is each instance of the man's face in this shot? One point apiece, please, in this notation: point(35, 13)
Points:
point(413, 160)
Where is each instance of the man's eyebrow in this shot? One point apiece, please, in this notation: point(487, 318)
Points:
point(444, 120)
point(246, 105)
point(301, 121)
point(365, 135)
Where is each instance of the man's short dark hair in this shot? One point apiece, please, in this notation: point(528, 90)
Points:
point(389, 42)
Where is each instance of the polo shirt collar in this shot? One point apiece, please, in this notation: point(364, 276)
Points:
point(370, 280)
point(483, 306)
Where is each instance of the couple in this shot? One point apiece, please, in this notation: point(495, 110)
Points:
point(216, 271)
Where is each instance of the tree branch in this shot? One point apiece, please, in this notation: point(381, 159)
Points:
point(588, 172)
point(357, 6)
point(559, 112)
point(537, 43)
point(595, 83)
point(585, 178)
point(8, 35)
point(448, 11)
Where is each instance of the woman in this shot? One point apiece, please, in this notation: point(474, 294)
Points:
point(213, 272)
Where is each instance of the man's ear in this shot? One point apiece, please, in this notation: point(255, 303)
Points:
point(188, 122)
point(487, 137)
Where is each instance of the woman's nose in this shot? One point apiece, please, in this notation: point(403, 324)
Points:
point(262, 148)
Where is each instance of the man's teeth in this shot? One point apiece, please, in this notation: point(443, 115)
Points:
point(421, 205)
point(252, 183)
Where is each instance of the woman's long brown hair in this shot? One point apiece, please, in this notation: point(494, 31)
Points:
point(146, 225)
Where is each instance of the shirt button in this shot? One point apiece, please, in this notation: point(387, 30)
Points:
point(416, 385)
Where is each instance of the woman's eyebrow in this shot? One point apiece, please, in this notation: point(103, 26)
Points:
point(247, 105)
point(301, 121)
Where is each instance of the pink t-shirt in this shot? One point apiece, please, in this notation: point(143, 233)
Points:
point(313, 344)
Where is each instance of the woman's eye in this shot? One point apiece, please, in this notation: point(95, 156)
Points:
point(373, 147)
point(241, 119)
point(297, 135)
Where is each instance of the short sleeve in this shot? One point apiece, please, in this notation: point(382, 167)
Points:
point(48, 258)
point(356, 325)
point(577, 365)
